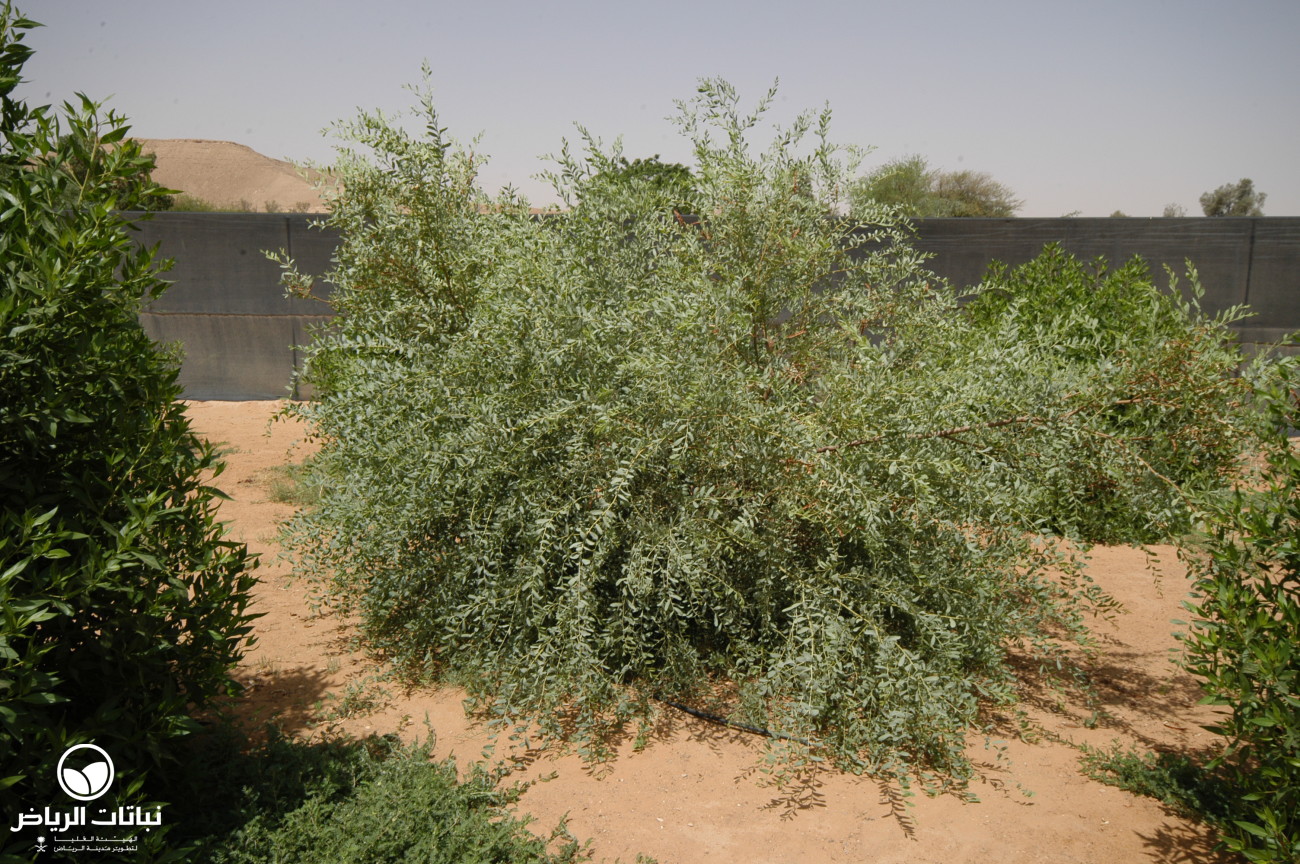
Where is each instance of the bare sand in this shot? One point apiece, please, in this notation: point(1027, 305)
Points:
point(227, 174)
point(693, 793)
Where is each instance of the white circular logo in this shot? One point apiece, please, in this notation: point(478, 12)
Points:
point(92, 779)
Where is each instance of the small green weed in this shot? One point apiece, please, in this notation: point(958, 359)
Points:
point(359, 699)
point(266, 666)
point(1172, 778)
point(286, 485)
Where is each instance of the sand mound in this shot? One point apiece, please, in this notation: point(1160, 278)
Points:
point(226, 174)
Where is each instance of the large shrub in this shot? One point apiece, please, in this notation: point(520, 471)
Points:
point(1245, 641)
point(758, 459)
point(123, 606)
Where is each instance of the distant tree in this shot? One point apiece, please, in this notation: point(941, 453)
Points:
point(1119, 214)
point(904, 183)
point(1234, 199)
point(1174, 211)
point(670, 179)
point(973, 193)
point(918, 191)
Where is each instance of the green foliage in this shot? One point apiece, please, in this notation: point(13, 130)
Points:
point(192, 204)
point(1171, 778)
point(1158, 363)
point(345, 801)
point(973, 194)
point(759, 461)
point(84, 157)
point(1245, 644)
point(672, 181)
point(919, 192)
point(290, 484)
point(1234, 199)
point(904, 183)
point(359, 699)
point(123, 606)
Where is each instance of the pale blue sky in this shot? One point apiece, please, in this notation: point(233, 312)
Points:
point(1096, 106)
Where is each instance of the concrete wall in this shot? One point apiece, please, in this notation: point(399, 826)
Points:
point(238, 331)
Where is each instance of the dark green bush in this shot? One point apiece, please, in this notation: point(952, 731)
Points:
point(123, 605)
point(344, 800)
point(1245, 642)
point(1173, 420)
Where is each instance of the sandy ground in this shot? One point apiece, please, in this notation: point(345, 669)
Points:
point(693, 793)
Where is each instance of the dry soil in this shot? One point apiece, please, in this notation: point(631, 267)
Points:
point(693, 793)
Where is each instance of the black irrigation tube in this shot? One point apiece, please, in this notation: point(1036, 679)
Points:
point(732, 724)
